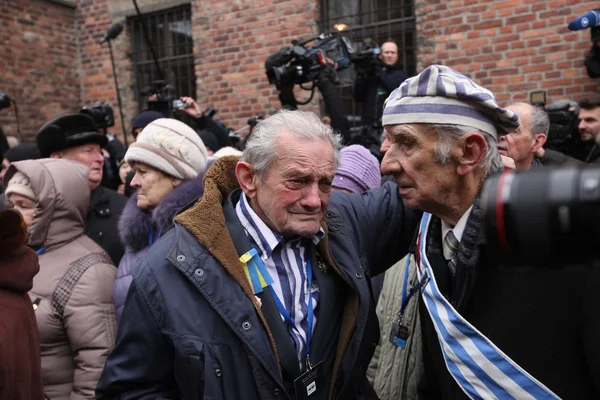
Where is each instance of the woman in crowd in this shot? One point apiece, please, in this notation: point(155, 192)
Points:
point(72, 293)
point(169, 160)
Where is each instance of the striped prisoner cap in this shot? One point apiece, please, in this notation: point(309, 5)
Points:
point(441, 95)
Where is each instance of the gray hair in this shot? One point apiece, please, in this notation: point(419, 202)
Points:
point(448, 135)
point(538, 119)
point(540, 123)
point(261, 147)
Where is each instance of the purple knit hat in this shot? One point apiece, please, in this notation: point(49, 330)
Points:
point(358, 171)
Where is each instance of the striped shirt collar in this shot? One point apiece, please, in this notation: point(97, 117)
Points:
point(264, 237)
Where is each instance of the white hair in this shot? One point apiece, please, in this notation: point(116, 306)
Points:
point(448, 134)
point(262, 144)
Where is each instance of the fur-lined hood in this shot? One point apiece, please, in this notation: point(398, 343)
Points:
point(135, 224)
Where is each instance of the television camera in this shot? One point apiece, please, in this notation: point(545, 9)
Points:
point(299, 64)
point(563, 135)
point(102, 114)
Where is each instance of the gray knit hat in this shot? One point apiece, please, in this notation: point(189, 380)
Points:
point(170, 146)
point(441, 95)
point(19, 183)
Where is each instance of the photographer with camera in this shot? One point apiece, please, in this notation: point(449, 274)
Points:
point(374, 83)
point(317, 65)
point(204, 120)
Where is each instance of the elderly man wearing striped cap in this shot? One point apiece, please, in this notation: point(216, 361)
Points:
point(488, 331)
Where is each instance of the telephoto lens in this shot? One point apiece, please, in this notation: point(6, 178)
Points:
point(543, 217)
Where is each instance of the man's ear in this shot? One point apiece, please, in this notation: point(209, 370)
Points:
point(540, 141)
point(176, 182)
point(474, 148)
point(247, 178)
point(56, 154)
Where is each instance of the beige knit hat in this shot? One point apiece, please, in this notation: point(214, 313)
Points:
point(170, 146)
point(19, 184)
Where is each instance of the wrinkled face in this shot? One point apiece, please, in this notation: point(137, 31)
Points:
point(293, 194)
point(389, 53)
point(90, 155)
point(385, 145)
point(423, 182)
point(24, 205)
point(589, 124)
point(152, 185)
point(518, 145)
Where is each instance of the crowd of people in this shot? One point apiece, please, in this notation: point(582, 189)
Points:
point(301, 267)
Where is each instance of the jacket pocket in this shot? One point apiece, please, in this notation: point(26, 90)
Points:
point(189, 369)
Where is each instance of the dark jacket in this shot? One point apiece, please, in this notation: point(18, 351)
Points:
point(556, 158)
point(102, 219)
point(193, 329)
point(547, 320)
point(136, 225)
point(20, 362)
point(372, 89)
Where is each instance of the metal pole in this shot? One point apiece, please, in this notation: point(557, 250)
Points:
point(148, 42)
point(112, 61)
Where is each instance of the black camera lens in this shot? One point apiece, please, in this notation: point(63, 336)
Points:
point(544, 216)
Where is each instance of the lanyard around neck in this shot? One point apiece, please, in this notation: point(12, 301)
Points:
point(151, 238)
point(40, 250)
point(260, 278)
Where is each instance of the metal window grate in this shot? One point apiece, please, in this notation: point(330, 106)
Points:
point(377, 21)
point(170, 32)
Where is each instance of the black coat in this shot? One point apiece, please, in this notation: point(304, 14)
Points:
point(547, 320)
point(102, 221)
point(372, 89)
point(191, 327)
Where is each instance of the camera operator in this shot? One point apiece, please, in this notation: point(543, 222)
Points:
point(589, 128)
point(374, 84)
point(327, 84)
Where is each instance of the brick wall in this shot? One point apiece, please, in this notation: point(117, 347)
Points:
point(53, 63)
point(97, 84)
point(38, 62)
point(232, 43)
point(512, 47)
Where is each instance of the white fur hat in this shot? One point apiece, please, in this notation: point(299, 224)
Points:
point(170, 146)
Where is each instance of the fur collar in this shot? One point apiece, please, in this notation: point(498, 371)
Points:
point(135, 224)
point(206, 221)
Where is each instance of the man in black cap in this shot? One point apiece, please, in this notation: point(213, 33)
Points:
point(76, 138)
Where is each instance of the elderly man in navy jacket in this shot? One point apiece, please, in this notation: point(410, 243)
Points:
point(261, 290)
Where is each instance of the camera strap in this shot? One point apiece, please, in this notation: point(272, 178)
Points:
point(480, 368)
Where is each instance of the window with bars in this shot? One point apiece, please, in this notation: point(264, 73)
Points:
point(170, 34)
point(375, 21)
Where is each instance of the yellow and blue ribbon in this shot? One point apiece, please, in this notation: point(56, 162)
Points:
point(255, 270)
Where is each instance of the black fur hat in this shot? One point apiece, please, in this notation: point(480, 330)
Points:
point(68, 131)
